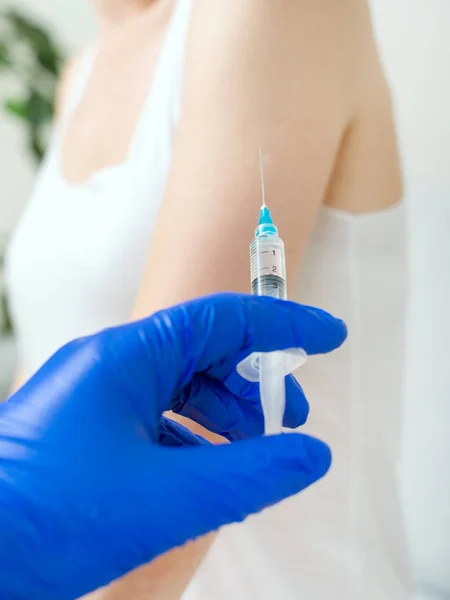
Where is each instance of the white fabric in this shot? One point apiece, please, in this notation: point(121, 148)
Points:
point(75, 265)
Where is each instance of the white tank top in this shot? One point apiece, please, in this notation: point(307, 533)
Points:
point(74, 266)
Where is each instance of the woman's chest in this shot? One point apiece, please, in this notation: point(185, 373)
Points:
point(83, 247)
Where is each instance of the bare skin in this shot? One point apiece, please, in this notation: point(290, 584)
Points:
point(300, 78)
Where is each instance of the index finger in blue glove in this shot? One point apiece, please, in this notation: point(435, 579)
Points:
point(212, 334)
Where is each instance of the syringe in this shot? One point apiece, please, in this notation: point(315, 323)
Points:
point(267, 261)
point(268, 278)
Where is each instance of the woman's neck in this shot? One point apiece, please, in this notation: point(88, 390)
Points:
point(113, 13)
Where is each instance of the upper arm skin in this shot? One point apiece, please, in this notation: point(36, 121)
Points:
point(258, 74)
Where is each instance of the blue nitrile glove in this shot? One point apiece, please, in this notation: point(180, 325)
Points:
point(92, 483)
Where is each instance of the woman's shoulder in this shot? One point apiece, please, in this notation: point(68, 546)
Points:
point(312, 42)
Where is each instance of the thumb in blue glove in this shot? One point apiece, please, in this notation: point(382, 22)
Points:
point(94, 482)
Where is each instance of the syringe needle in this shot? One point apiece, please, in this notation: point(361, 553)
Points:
point(261, 169)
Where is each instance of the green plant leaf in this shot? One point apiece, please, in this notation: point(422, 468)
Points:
point(17, 108)
point(43, 46)
point(35, 110)
point(7, 323)
point(4, 55)
point(40, 109)
point(36, 144)
point(50, 59)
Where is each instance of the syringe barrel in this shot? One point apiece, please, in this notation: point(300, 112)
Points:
point(268, 278)
point(267, 266)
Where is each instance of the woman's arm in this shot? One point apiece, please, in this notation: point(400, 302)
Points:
point(273, 74)
point(258, 74)
point(163, 579)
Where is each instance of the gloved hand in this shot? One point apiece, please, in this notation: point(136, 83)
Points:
point(92, 483)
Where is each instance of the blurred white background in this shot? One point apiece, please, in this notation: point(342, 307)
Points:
point(415, 45)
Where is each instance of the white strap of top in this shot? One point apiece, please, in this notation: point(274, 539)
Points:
point(82, 76)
